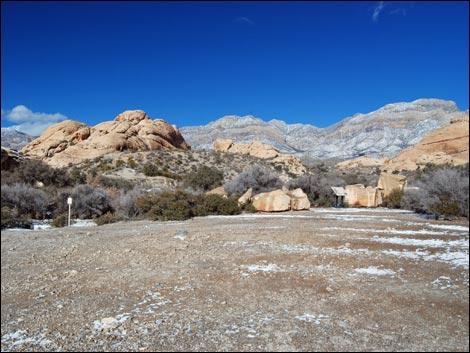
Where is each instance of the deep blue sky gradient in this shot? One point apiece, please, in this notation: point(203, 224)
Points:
point(193, 62)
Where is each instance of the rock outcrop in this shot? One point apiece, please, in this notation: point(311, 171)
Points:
point(72, 142)
point(264, 151)
point(363, 161)
point(279, 200)
point(298, 200)
point(381, 133)
point(10, 159)
point(447, 145)
point(274, 201)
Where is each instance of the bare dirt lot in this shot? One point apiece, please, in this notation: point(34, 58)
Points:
point(318, 280)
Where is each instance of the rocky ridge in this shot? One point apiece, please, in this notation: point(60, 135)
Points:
point(14, 139)
point(381, 133)
point(447, 145)
point(72, 142)
point(264, 151)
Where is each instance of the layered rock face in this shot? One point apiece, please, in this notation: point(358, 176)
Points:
point(449, 144)
point(72, 142)
point(381, 133)
point(264, 151)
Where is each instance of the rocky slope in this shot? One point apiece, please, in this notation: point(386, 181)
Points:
point(445, 145)
point(72, 142)
point(14, 139)
point(381, 133)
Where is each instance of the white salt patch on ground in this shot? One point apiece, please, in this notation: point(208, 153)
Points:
point(353, 210)
point(450, 227)
point(264, 268)
point(389, 231)
point(312, 318)
point(21, 337)
point(455, 258)
point(432, 243)
point(372, 270)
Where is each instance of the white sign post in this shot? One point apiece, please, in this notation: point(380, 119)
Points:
point(69, 202)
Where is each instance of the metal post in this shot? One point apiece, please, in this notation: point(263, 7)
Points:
point(69, 202)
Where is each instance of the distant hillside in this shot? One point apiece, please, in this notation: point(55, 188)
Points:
point(14, 139)
point(381, 133)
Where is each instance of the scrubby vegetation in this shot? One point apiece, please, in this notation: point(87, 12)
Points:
point(34, 190)
point(261, 179)
point(441, 191)
point(179, 205)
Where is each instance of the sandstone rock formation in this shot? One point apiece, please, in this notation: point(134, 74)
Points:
point(72, 142)
point(298, 200)
point(389, 182)
point(245, 197)
point(359, 195)
point(274, 201)
point(264, 151)
point(449, 144)
point(363, 161)
point(218, 191)
point(381, 133)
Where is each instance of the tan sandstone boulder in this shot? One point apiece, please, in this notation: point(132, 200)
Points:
point(274, 201)
point(389, 182)
point(299, 200)
point(245, 197)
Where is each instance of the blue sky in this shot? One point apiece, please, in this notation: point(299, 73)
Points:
point(193, 62)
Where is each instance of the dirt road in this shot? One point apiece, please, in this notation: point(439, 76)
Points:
point(318, 280)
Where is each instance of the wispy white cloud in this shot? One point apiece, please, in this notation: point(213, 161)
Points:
point(244, 20)
point(377, 10)
point(399, 11)
point(30, 122)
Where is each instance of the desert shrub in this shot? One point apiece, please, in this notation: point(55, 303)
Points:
point(441, 191)
point(118, 183)
point(25, 199)
point(151, 169)
point(89, 202)
point(165, 206)
point(31, 171)
point(180, 205)
point(106, 218)
point(11, 219)
point(125, 204)
point(61, 220)
point(394, 199)
point(77, 176)
point(215, 205)
point(259, 178)
point(249, 208)
point(317, 187)
point(204, 178)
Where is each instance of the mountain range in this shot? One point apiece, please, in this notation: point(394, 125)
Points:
point(381, 133)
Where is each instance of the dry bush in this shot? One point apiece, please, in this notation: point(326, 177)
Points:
point(259, 178)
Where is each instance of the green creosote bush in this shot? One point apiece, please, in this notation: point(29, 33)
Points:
point(180, 205)
point(61, 220)
point(394, 199)
point(205, 178)
point(106, 218)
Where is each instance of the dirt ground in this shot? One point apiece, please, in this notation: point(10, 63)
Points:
point(318, 280)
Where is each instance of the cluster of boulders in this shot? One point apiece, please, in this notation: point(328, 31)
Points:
point(274, 201)
point(72, 142)
point(264, 151)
